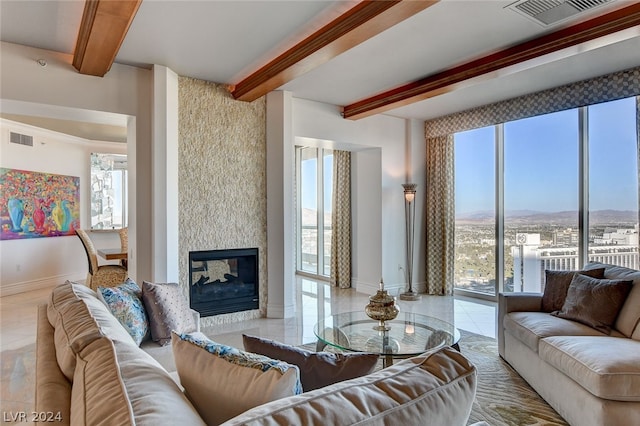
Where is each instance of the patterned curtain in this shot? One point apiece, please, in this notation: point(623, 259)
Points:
point(440, 215)
point(341, 220)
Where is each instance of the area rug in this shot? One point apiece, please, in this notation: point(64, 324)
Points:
point(18, 379)
point(503, 398)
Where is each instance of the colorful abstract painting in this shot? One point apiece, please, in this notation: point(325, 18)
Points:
point(37, 205)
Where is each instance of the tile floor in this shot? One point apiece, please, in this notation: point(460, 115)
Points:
point(314, 299)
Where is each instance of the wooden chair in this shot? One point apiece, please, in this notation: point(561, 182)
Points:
point(100, 276)
point(124, 244)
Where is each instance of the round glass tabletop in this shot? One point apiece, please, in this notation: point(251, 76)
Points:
point(408, 335)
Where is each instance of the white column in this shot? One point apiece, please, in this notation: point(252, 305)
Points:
point(165, 175)
point(280, 206)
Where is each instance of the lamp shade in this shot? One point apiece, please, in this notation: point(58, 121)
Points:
point(409, 191)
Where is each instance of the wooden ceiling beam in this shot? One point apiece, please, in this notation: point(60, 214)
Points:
point(447, 81)
point(102, 30)
point(358, 24)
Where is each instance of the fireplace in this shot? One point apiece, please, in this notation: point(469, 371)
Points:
point(223, 281)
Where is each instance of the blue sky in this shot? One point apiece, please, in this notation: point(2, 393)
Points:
point(541, 162)
point(309, 176)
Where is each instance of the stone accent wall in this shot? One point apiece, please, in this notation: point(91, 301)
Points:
point(222, 179)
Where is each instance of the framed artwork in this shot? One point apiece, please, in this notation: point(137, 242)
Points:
point(38, 205)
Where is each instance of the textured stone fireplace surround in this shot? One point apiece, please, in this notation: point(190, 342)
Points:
point(221, 180)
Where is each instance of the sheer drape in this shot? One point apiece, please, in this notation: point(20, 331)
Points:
point(440, 215)
point(341, 220)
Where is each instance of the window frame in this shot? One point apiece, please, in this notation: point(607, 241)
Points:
point(583, 202)
point(321, 265)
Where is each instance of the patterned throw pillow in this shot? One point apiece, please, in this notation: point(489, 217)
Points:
point(168, 311)
point(222, 381)
point(317, 369)
point(124, 302)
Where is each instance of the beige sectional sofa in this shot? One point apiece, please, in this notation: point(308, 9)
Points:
point(90, 371)
point(587, 376)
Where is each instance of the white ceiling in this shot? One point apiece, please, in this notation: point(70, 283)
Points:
point(223, 41)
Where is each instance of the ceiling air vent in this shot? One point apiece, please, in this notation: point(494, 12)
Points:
point(548, 12)
point(21, 139)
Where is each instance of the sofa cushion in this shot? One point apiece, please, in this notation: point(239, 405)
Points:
point(125, 303)
point(79, 318)
point(119, 383)
point(98, 395)
point(636, 333)
point(608, 367)
point(530, 327)
point(557, 284)
point(167, 309)
point(629, 317)
point(223, 382)
point(436, 388)
point(594, 302)
point(317, 369)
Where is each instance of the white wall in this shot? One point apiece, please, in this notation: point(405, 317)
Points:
point(388, 151)
point(34, 263)
point(124, 93)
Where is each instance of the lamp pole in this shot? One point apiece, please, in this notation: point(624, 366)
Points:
point(409, 216)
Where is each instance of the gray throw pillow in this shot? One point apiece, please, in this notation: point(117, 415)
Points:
point(557, 284)
point(594, 302)
point(317, 369)
point(167, 310)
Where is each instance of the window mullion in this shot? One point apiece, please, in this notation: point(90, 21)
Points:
point(583, 186)
point(499, 215)
point(320, 193)
point(299, 208)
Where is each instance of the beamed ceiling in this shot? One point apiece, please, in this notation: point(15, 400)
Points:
point(412, 59)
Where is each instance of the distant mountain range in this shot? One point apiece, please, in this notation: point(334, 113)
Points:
point(568, 218)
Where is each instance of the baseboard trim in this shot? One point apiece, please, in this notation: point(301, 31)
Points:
point(280, 311)
point(8, 289)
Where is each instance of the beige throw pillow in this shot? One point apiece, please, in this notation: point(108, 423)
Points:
point(167, 310)
point(594, 302)
point(223, 382)
point(317, 369)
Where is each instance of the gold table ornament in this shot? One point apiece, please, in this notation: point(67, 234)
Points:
point(382, 307)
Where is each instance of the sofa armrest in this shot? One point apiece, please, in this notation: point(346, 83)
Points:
point(515, 302)
point(519, 302)
point(196, 318)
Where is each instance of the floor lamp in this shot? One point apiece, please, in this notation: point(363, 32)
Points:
point(409, 216)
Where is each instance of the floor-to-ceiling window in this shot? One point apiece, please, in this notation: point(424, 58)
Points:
point(613, 183)
point(565, 190)
point(315, 186)
point(540, 196)
point(475, 229)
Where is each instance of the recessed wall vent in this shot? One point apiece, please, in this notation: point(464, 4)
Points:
point(21, 139)
point(548, 12)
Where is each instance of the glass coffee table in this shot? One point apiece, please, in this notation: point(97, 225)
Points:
point(408, 335)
